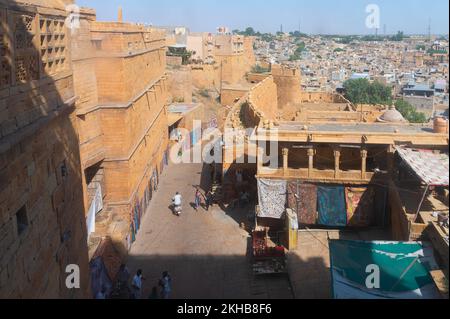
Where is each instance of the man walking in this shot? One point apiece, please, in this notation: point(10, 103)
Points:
point(208, 200)
point(137, 284)
point(166, 285)
point(198, 199)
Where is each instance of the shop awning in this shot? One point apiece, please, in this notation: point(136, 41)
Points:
point(430, 167)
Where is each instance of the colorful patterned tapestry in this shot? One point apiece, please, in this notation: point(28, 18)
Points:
point(272, 198)
point(307, 202)
point(360, 206)
point(331, 202)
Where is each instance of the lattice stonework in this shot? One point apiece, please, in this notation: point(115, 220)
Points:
point(26, 55)
point(24, 32)
point(53, 45)
point(5, 66)
point(27, 68)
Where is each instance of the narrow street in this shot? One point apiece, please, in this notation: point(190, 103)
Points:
point(205, 252)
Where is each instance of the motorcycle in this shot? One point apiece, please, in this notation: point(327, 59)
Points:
point(177, 209)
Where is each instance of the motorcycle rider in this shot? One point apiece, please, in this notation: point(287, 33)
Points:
point(177, 203)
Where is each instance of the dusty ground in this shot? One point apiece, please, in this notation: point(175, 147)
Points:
point(205, 252)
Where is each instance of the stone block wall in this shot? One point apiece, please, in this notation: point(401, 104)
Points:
point(42, 224)
point(231, 96)
point(288, 83)
point(122, 94)
point(264, 98)
point(180, 85)
point(206, 76)
point(233, 68)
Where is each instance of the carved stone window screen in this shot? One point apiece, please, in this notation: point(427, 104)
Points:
point(24, 31)
point(27, 68)
point(53, 42)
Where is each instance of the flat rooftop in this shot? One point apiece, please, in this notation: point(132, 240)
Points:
point(352, 133)
point(357, 128)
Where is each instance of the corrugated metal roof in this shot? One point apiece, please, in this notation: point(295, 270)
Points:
point(430, 167)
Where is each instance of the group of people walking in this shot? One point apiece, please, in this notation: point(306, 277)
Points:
point(164, 284)
point(200, 199)
point(207, 197)
point(124, 291)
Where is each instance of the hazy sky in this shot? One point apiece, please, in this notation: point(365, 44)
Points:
point(315, 16)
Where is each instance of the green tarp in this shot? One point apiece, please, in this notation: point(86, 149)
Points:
point(404, 270)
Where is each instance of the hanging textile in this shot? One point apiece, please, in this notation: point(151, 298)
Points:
point(136, 219)
point(139, 214)
point(191, 137)
point(133, 233)
point(306, 208)
point(95, 208)
point(272, 198)
point(129, 240)
point(142, 207)
point(155, 180)
point(157, 177)
point(360, 206)
point(146, 197)
point(150, 190)
point(166, 158)
point(331, 202)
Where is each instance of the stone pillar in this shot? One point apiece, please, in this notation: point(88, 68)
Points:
point(337, 162)
point(311, 153)
point(285, 161)
point(363, 163)
point(390, 160)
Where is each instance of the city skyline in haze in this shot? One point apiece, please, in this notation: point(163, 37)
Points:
point(312, 17)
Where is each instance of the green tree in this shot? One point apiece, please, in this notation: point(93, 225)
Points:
point(361, 91)
point(420, 47)
point(267, 37)
point(409, 112)
point(249, 31)
point(398, 37)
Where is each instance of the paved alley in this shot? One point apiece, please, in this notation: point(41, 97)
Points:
point(205, 252)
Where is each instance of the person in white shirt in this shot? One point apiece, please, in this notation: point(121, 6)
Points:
point(177, 201)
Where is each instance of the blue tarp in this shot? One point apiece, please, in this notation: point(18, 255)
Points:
point(331, 206)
